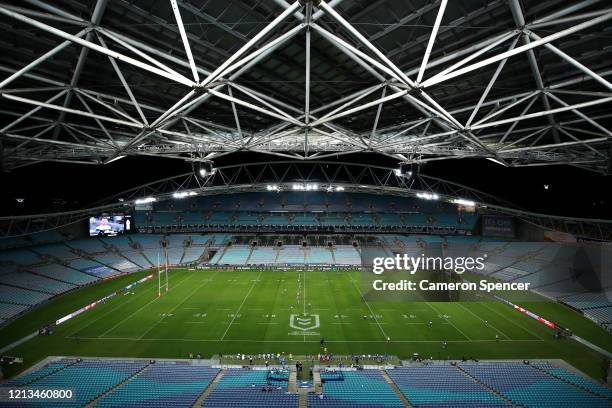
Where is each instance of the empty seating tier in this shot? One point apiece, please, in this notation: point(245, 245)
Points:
point(161, 385)
point(365, 388)
point(245, 388)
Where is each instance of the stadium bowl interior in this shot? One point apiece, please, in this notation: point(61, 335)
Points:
point(341, 203)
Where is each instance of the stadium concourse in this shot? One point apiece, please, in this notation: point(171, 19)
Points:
point(305, 203)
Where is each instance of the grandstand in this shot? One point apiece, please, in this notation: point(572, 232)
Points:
point(305, 203)
point(126, 383)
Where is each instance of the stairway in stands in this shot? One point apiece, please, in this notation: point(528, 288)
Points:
point(303, 401)
point(292, 385)
point(113, 388)
point(49, 374)
point(395, 388)
point(316, 381)
point(208, 389)
point(485, 385)
point(333, 255)
point(565, 380)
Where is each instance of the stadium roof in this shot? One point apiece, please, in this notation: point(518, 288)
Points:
point(523, 83)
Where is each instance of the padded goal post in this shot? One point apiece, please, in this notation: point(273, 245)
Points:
point(162, 274)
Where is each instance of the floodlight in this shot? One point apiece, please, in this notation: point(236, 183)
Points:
point(428, 196)
point(206, 169)
point(184, 194)
point(145, 200)
point(466, 203)
point(404, 170)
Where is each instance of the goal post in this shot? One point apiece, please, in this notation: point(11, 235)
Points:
point(162, 274)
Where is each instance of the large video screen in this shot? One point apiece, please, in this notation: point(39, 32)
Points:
point(109, 225)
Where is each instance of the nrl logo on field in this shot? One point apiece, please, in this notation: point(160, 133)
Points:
point(304, 322)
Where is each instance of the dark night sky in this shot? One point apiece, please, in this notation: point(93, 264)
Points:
point(572, 191)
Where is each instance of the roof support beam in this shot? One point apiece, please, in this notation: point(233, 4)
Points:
point(181, 27)
point(432, 40)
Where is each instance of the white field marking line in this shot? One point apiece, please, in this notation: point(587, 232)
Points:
point(315, 341)
point(139, 309)
point(514, 323)
point(369, 308)
point(108, 312)
point(482, 320)
point(456, 328)
point(241, 304)
point(174, 308)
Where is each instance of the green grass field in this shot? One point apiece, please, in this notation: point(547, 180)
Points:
point(212, 312)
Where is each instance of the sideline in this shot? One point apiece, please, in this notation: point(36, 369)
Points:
point(18, 342)
point(592, 346)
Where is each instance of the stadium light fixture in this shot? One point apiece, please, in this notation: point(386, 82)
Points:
point(463, 202)
point(184, 194)
point(272, 187)
point(339, 188)
point(428, 196)
point(404, 170)
point(145, 200)
point(306, 187)
point(206, 169)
